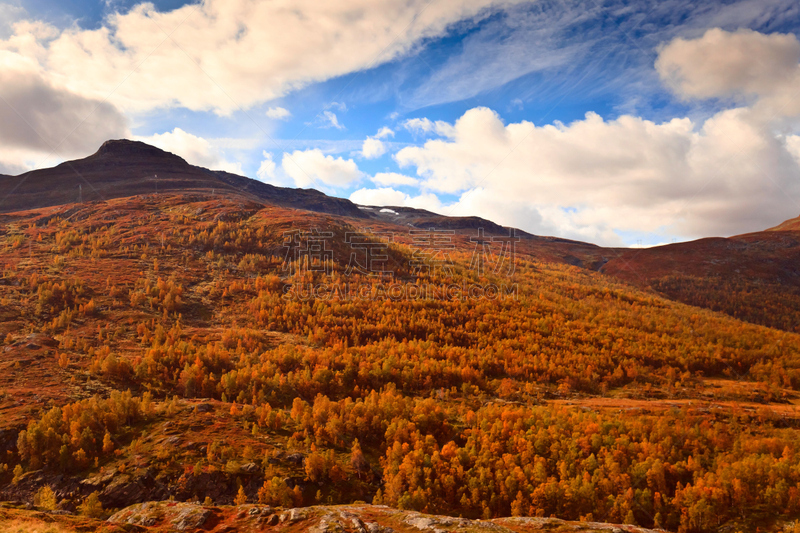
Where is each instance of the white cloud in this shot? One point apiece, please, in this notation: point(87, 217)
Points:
point(341, 106)
point(393, 178)
point(372, 148)
point(9, 14)
point(310, 168)
point(278, 113)
point(329, 120)
point(195, 150)
point(728, 175)
point(388, 196)
point(234, 54)
point(384, 132)
point(15, 161)
point(793, 145)
point(266, 170)
point(382, 196)
point(424, 126)
point(739, 64)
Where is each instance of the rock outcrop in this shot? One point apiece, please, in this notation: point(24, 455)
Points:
point(188, 517)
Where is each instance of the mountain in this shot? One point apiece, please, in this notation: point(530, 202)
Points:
point(734, 275)
point(172, 348)
point(122, 168)
point(753, 277)
point(793, 224)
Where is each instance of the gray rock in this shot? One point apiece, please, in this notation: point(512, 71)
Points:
point(190, 517)
point(204, 408)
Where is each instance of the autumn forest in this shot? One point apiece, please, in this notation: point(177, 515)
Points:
point(176, 347)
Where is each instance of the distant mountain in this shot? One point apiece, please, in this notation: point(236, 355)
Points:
point(753, 277)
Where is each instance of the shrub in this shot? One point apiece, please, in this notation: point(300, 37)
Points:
point(45, 499)
point(91, 506)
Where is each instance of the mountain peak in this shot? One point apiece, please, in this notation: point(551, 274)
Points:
point(127, 148)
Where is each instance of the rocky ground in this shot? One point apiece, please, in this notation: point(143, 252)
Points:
point(163, 517)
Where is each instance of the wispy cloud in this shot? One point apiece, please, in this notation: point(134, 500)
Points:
point(569, 49)
point(340, 106)
point(328, 119)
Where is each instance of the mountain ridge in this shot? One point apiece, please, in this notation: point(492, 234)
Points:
point(122, 168)
point(752, 266)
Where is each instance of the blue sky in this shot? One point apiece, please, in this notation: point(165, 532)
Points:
point(591, 120)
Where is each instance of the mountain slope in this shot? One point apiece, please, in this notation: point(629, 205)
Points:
point(169, 345)
point(753, 277)
point(793, 224)
point(735, 276)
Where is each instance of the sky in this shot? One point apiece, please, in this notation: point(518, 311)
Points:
point(622, 123)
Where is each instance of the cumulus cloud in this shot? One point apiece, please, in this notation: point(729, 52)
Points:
point(739, 64)
point(793, 145)
point(386, 196)
point(310, 168)
point(266, 170)
point(195, 150)
point(38, 117)
point(384, 132)
point(234, 54)
point(278, 113)
point(592, 178)
point(393, 178)
point(15, 161)
point(382, 196)
point(9, 14)
point(372, 148)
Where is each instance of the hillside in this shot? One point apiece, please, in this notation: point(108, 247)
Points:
point(733, 276)
point(753, 277)
point(181, 346)
point(792, 224)
point(227, 341)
